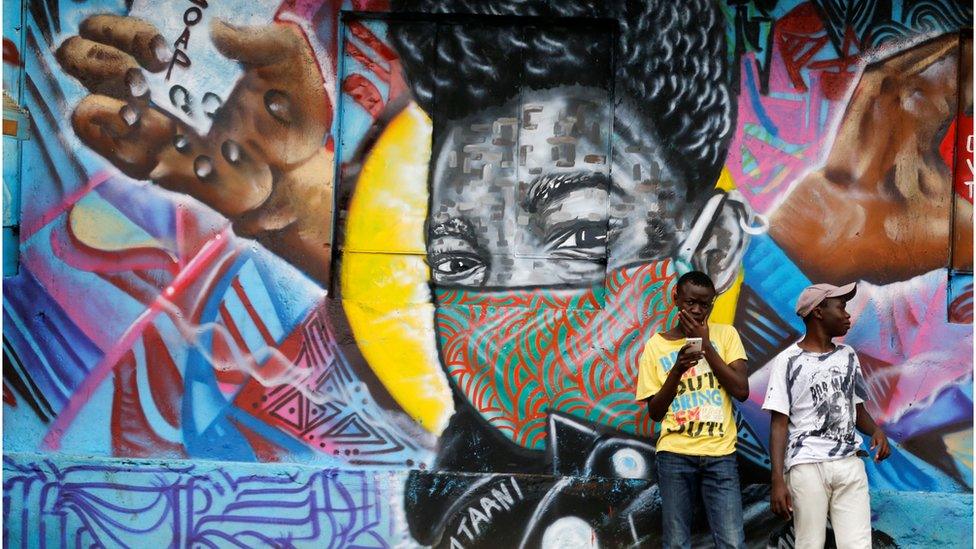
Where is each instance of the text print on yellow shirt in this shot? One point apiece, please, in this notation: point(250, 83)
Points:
point(699, 399)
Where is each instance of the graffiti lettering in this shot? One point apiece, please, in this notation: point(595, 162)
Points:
point(191, 17)
point(969, 164)
point(476, 517)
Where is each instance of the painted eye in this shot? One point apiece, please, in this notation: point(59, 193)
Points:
point(456, 265)
point(583, 238)
point(459, 268)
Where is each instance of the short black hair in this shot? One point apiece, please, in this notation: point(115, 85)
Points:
point(695, 278)
point(671, 63)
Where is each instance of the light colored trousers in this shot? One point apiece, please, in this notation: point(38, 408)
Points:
point(836, 488)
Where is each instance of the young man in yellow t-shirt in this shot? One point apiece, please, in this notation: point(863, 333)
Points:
point(688, 393)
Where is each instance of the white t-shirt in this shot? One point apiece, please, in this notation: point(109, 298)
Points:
point(819, 392)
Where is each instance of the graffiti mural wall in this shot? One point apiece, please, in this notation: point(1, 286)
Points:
point(377, 273)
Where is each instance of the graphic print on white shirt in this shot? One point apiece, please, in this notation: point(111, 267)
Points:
point(819, 392)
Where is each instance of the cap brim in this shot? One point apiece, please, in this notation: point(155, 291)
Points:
point(846, 291)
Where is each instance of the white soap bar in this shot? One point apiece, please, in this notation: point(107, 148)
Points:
point(199, 78)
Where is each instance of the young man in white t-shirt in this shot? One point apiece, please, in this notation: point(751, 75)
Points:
point(816, 397)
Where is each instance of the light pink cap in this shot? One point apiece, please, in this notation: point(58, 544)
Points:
point(811, 296)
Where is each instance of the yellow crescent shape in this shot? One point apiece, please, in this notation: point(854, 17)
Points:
point(384, 277)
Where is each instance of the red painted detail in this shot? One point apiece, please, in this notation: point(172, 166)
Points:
point(11, 55)
point(132, 434)
point(797, 51)
point(838, 74)
point(359, 55)
point(947, 148)
point(961, 308)
point(224, 363)
point(963, 173)
point(802, 19)
point(363, 33)
point(799, 36)
point(165, 380)
point(255, 316)
point(371, 5)
point(363, 92)
point(8, 396)
point(266, 451)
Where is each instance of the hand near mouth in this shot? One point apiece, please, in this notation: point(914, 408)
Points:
point(691, 327)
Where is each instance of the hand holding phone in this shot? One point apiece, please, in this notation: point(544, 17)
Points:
point(689, 355)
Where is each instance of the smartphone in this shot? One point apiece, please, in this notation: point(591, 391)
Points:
point(695, 344)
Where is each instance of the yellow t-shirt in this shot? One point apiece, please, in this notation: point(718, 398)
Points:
point(699, 421)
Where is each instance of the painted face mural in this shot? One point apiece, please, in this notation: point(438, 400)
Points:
point(552, 253)
point(442, 349)
point(557, 217)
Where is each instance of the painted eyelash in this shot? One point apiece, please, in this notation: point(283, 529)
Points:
point(541, 188)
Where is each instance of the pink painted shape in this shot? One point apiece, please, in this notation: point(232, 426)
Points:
point(789, 117)
point(909, 347)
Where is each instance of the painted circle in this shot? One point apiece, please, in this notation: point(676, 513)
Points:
point(629, 463)
point(569, 532)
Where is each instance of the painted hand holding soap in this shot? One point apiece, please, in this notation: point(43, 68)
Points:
point(261, 163)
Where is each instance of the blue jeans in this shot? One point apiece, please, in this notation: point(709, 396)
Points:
point(681, 478)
